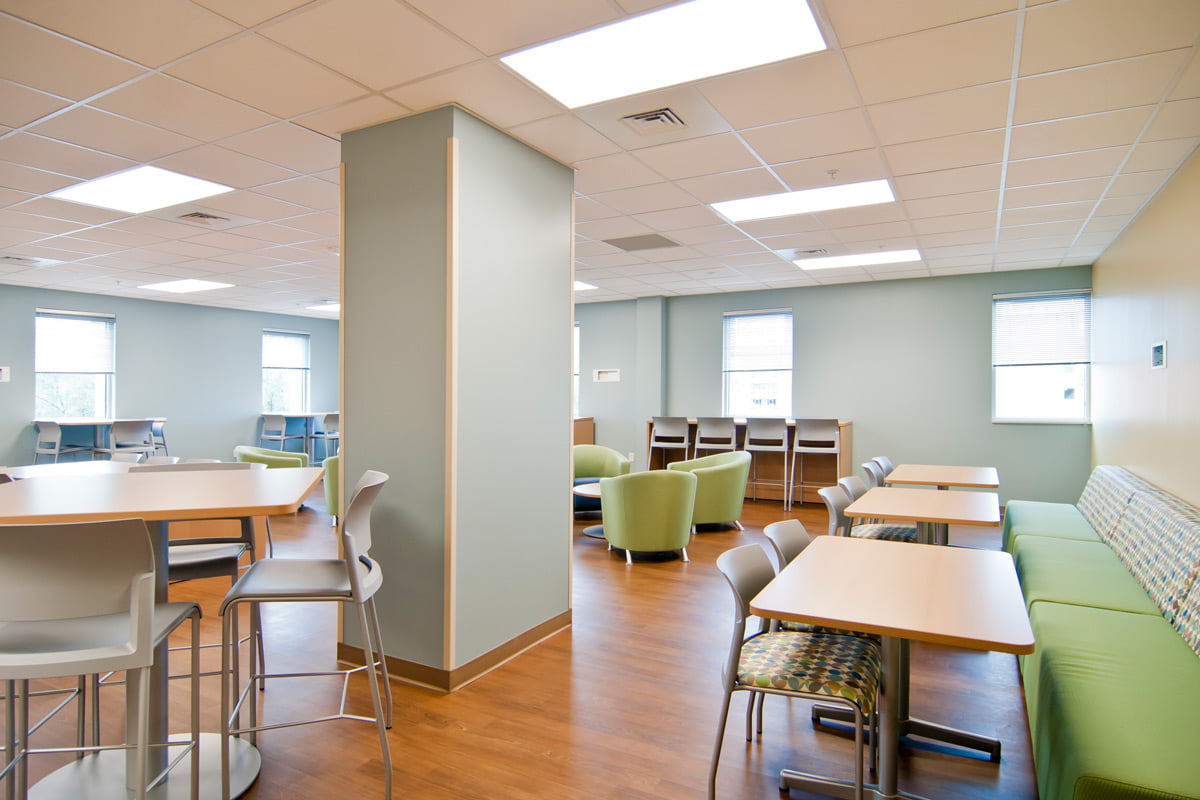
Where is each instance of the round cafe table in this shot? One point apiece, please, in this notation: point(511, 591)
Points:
point(590, 490)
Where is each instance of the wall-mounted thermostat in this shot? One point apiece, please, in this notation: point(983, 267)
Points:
point(606, 375)
point(1158, 355)
point(5, 374)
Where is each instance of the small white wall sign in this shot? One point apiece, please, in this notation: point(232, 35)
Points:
point(606, 376)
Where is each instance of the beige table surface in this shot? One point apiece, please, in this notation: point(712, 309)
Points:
point(64, 468)
point(921, 505)
point(944, 476)
point(945, 595)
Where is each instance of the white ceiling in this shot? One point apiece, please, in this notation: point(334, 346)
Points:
point(1017, 134)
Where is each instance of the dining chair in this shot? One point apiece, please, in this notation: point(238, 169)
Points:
point(766, 435)
point(813, 437)
point(836, 502)
point(158, 436)
point(71, 608)
point(129, 436)
point(50, 442)
point(352, 579)
point(714, 433)
point(132, 458)
point(274, 429)
point(845, 670)
point(885, 464)
point(159, 460)
point(330, 434)
point(874, 474)
point(669, 433)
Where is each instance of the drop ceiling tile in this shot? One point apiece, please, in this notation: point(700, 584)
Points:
point(250, 12)
point(782, 226)
point(617, 171)
point(253, 206)
point(279, 234)
point(948, 181)
point(1050, 193)
point(972, 270)
point(1108, 129)
point(980, 238)
point(497, 28)
point(1128, 205)
point(71, 212)
point(41, 60)
point(288, 146)
point(308, 192)
point(485, 88)
point(1063, 35)
point(866, 233)
point(1114, 223)
point(225, 166)
point(731, 252)
point(1070, 167)
point(733, 185)
point(54, 156)
point(1136, 183)
point(655, 197)
point(585, 249)
point(20, 105)
point(1134, 82)
point(804, 87)
point(801, 241)
point(1177, 120)
point(935, 60)
point(810, 137)
point(17, 218)
point(1189, 83)
point(108, 133)
point(266, 76)
point(858, 21)
point(978, 250)
point(695, 157)
point(862, 215)
point(150, 226)
point(616, 260)
point(361, 113)
point(1055, 213)
point(325, 223)
point(9, 197)
point(611, 228)
point(706, 234)
point(380, 43)
point(564, 138)
point(859, 165)
point(1040, 230)
point(953, 204)
point(180, 107)
point(34, 181)
point(587, 209)
point(150, 32)
point(948, 152)
point(80, 246)
point(1165, 154)
point(689, 217)
point(121, 238)
point(977, 108)
point(956, 222)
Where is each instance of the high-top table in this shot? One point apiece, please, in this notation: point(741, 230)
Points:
point(943, 477)
point(904, 592)
point(933, 512)
point(156, 497)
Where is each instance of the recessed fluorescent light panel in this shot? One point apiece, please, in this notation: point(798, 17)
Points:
point(185, 286)
point(332, 308)
point(674, 45)
point(140, 189)
point(580, 286)
point(860, 259)
point(806, 201)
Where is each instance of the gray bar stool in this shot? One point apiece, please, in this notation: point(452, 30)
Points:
point(766, 435)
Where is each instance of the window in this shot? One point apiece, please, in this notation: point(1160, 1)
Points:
point(73, 363)
point(758, 364)
point(1041, 357)
point(285, 369)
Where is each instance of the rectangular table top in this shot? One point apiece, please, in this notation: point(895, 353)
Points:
point(938, 475)
point(63, 468)
point(922, 505)
point(157, 496)
point(946, 595)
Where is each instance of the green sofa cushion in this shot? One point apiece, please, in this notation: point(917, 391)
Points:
point(1034, 518)
point(1079, 573)
point(1111, 699)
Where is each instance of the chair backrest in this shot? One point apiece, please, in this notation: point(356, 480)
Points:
point(366, 575)
point(4, 476)
point(162, 460)
point(274, 423)
point(78, 570)
point(817, 434)
point(648, 511)
point(130, 457)
point(331, 423)
point(748, 570)
point(197, 466)
point(836, 500)
point(669, 432)
point(598, 461)
point(885, 464)
point(768, 434)
point(49, 437)
point(854, 486)
point(715, 433)
point(874, 474)
point(131, 432)
point(789, 537)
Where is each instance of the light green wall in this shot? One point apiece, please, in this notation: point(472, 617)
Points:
point(200, 367)
point(504, 487)
point(908, 362)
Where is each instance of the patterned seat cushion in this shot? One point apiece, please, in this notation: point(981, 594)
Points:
point(890, 533)
point(846, 667)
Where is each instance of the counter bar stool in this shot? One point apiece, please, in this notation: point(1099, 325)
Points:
point(274, 429)
point(158, 437)
point(354, 578)
point(129, 436)
point(767, 436)
point(49, 442)
point(669, 433)
point(814, 436)
point(714, 433)
point(330, 433)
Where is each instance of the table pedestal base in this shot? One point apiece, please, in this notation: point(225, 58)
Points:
point(594, 531)
point(102, 776)
point(830, 787)
point(919, 727)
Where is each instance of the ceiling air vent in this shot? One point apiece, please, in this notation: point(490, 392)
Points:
point(792, 254)
point(200, 218)
point(653, 123)
point(29, 262)
point(648, 241)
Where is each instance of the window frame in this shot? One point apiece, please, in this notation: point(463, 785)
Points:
point(785, 410)
point(1086, 362)
point(305, 371)
point(108, 411)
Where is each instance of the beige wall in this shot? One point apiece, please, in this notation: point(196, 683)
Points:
point(1147, 289)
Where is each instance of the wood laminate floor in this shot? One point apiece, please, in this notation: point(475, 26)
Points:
point(621, 705)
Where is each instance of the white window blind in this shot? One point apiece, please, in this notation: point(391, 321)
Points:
point(757, 364)
point(285, 371)
point(74, 364)
point(1041, 357)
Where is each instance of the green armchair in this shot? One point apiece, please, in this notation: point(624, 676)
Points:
point(593, 462)
point(333, 488)
point(648, 511)
point(721, 486)
point(272, 458)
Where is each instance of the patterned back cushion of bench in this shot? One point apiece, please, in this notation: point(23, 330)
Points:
point(1158, 538)
point(1105, 495)
point(1187, 619)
